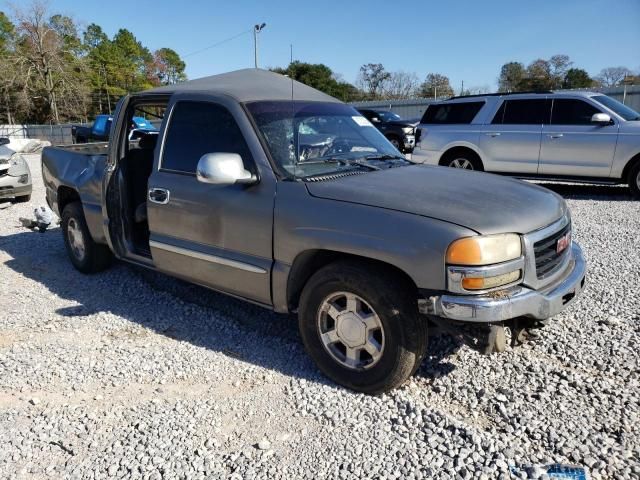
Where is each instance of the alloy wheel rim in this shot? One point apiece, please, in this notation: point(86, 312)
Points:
point(76, 239)
point(638, 180)
point(395, 143)
point(461, 163)
point(350, 331)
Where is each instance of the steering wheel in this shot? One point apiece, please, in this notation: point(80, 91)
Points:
point(339, 146)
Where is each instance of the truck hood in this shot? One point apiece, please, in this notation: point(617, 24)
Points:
point(479, 201)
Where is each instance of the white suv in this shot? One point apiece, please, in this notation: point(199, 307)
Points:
point(575, 136)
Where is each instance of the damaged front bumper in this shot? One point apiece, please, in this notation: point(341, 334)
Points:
point(15, 179)
point(519, 301)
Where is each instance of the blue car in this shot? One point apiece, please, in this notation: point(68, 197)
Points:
point(99, 131)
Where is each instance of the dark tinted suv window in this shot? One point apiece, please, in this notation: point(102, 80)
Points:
point(572, 112)
point(196, 128)
point(523, 112)
point(449, 113)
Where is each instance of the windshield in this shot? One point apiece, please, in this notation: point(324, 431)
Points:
point(389, 116)
point(621, 109)
point(311, 138)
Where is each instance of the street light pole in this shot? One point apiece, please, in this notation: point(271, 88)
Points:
point(256, 30)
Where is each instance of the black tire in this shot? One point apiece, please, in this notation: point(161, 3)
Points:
point(23, 199)
point(469, 159)
point(395, 304)
point(634, 180)
point(395, 141)
point(94, 257)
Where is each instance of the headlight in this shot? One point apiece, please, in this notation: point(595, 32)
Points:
point(17, 161)
point(482, 263)
point(408, 130)
point(484, 250)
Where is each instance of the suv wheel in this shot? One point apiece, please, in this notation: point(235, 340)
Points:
point(465, 161)
point(85, 254)
point(634, 180)
point(362, 333)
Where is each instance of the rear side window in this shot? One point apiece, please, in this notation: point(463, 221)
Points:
point(523, 112)
point(196, 128)
point(451, 113)
point(572, 112)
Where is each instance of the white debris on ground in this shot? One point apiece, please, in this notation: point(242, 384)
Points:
point(42, 217)
point(130, 374)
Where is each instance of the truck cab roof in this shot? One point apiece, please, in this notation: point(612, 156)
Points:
point(248, 85)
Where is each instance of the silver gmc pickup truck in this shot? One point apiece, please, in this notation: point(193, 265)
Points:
point(268, 190)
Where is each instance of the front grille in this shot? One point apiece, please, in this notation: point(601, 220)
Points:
point(548, 260)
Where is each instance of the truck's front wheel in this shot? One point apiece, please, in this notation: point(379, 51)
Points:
point(361, 329)
point(85, 254)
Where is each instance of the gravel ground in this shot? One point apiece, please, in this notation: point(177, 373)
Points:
point(128, 374)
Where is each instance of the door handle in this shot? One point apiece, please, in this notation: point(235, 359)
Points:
point(555, 135)
point(159, 195)
point(492, 134)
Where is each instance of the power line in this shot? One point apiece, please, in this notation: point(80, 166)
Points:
point(218, 43)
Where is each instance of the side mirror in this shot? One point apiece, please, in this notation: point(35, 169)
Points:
point(601, 119)
point(223, 169)
point(4, 141)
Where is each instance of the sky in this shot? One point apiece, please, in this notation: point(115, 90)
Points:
point(466, 40)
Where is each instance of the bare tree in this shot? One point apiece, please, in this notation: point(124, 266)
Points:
point(50, 69)
point(559, 66)
point(372, 78)
point(401, 85)
point(613, 76)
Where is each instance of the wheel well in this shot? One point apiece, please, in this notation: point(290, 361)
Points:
point(452, 152)
point(629, 166)
point(66, 195)
point(309, 262)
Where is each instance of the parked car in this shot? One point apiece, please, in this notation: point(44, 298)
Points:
point(302, 206)
point(574, 136)
point(15, 176)
point(401, 133)
point(99, 131)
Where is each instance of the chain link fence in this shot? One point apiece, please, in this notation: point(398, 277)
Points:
point(56, 134)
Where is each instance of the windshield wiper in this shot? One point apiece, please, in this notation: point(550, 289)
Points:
point(340, 161)
point(385, 156)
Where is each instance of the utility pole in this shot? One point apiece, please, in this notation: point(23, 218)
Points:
point(256, 30)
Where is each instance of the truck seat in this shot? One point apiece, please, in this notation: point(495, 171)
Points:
point(140, 166)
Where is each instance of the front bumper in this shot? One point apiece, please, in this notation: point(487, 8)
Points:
point(519, 301)
point(409, 141)
point(10, 186)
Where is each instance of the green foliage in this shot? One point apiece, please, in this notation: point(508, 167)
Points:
point(321, 77)
point(436, 85)
point(7, 32)
point(577, 78)
point(555, 73)
point(52, 70)
point(511, 74)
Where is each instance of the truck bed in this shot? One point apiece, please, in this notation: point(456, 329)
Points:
point(76, 170)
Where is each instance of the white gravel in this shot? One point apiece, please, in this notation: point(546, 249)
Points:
point(128, 374)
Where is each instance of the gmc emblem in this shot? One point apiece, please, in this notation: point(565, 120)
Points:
point(563, 242)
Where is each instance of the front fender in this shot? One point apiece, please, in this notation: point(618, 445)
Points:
point(414, 244)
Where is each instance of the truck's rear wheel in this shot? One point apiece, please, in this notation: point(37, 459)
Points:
point(634, 180)
point(363, 331)
point(85, 254)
